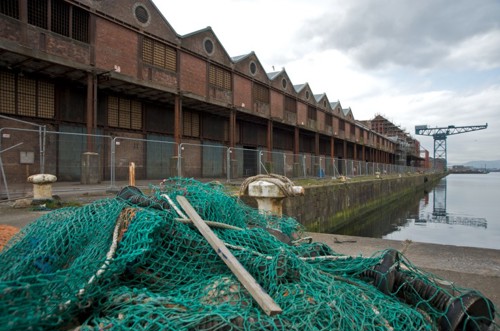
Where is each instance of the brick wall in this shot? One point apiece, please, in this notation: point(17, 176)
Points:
point(330, 207)
point(242, 94)
point(194, 74)
point(116, 45)
point(301, 113)
point(276, 104)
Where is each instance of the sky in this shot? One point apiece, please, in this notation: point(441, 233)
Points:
point(425, 62)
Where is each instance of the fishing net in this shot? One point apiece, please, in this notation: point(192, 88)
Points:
point(135, 262)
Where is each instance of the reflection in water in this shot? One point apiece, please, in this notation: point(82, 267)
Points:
point(439, 214)
point(424, 217)
point(384, 220)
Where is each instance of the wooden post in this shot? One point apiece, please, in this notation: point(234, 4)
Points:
point(261, 297)
point(131, 174)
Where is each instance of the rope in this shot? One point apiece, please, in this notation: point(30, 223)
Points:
point(284, 183)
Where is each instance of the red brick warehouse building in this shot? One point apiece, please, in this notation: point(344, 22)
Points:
point(98, 69)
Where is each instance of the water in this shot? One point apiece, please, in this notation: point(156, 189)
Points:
point(462, 210)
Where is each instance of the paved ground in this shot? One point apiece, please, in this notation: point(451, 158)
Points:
point(473, 268)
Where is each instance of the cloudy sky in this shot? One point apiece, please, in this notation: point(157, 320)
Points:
point(433, 62)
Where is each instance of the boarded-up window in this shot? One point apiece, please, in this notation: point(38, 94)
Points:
point(283, 140)
point(215, 128)
point(328, 120)
point(45, 99)
point(324, 146)
point(306, 144)
point(341, 125)
point(260, 93)
point(219, 78)
point(124, 113)
point(159, 118)
point(7, 93)
point(253, 134)
point(191, 124)
point(25, 96)
point(290, 105)
point(311, 113)
point(158, 54)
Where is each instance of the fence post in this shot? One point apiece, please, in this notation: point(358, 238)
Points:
point(41, 139)
point(113, 156)
point(304, 165)
point(179, 163)
point(228, 163)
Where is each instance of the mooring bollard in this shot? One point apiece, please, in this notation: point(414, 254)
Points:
point(42, 186)
point(270, 196)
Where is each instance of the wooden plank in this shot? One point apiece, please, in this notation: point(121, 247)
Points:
point(246, 279)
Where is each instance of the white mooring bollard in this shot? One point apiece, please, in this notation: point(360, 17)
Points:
point(269, 196)
point(42, 186)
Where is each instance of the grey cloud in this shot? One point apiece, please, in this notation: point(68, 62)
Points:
point(378, 33)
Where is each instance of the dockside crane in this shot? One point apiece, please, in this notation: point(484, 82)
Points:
point(440, 135)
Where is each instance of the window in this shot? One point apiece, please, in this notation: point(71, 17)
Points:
point(64, 19)
point(341, 125)
point(260, 93)
point(80, 26)
point(283, 83)
point(158, 54)
point(290, 105)
point(328, 120)
point(208, 45)
point(290, 114)
point(10, 8)
point(38, 13)
point(311, 113)
point(124, 113)
point(191, 124)
point(220, 78)
point(25, 96)
point(60, 18)
point(141, 14)
point(253, 68)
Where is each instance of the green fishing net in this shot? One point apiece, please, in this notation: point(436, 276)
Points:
point(135, 262)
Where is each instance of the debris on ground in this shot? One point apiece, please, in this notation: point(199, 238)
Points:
point(6, 233)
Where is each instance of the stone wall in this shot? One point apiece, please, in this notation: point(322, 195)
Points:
point(333, 206)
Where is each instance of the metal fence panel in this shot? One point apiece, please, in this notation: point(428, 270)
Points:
point(24, 152)
point(202, 160)
point(245, 162)
point(160, 157)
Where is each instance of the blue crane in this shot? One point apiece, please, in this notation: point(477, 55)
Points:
point(440, 135)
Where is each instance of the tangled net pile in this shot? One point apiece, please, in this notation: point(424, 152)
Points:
point(132, 263)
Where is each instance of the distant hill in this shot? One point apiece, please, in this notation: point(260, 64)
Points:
point(483, 164)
